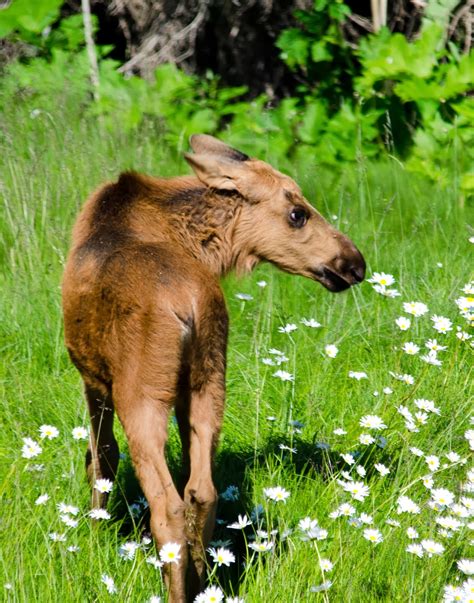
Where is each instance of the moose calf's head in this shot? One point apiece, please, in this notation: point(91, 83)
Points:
point(276, 223)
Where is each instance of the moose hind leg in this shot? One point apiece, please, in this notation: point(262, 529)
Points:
point(143, 403)
point(206, 408)
point(102, 456)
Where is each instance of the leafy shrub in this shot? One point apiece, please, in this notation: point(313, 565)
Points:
point(28, 18)
point(410, 98)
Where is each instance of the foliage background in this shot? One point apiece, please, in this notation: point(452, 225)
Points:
point(348, 92)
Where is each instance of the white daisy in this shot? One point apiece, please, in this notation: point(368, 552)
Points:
point(109, 584)
point(277, 494)
point(434, 346)
point(310, 322)
point(127, 550)
point(466, 566)
point(433, 462)
point(382, 278)
point(284, 375)
point(99, 514)
point(358, 375)
point(442, 497)
point(441, 324)
point(169, 552)
point(222, 556)
point(80, 433)
point(415, 549)
point(326, 565)
point(331, 350)
point(49, 432)
point(372, 422)
point(410, 348)
point(406, 505)
point(426, 405)
point(30, 448)
point(373, 535)
point(366, 439)
point(415, 308)
point(103, 486)
point(382, 469)
point(242, 522)
point(262, 546)
point(432, 548)
point(288, 328)
point(403, 323)
point(358, 490)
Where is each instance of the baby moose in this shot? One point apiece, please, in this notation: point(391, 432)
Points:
point(146, 322)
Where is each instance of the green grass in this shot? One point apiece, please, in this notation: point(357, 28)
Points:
point(404, 226)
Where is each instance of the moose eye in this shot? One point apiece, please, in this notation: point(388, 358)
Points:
point(298, 217)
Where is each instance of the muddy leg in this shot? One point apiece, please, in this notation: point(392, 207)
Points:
point(200, 495)
point(103, 454)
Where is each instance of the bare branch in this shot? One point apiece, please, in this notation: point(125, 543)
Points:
point(94, 69)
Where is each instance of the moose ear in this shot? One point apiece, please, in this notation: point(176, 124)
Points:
point(215, 172)
point(208, 145)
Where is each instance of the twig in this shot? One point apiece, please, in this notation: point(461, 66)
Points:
point(165, 52)
point(468, 27)
point(361, 22)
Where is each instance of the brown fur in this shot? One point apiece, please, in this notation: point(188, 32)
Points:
point(146, 322)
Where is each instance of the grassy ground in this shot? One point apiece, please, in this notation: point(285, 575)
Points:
point(405, 227)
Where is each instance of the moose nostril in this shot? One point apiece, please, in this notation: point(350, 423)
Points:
point(358, 272)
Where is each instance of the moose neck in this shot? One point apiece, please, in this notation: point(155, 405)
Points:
point(203, 222)
point(212, 232)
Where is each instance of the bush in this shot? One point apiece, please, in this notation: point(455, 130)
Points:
point(388, 94)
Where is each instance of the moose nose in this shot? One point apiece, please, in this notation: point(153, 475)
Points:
point(352, 266)
point(358, 272)
point(357, 266)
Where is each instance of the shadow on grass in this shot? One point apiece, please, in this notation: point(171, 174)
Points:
point(231, 467)
point(235, 467)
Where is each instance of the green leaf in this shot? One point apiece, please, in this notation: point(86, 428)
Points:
point(465, 108)
point(320, 5)
point(339, 11)
point(467, 183)
point(313, 122)
point(294, 46)
point(319, 52)
point(32, 16)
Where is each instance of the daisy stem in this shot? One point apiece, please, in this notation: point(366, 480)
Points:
point(324, 593)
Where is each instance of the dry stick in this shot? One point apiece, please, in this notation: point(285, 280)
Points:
point(94, 70)
point(383, 12)
point(379, 13)
point(375, 15)
point(468, 26)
